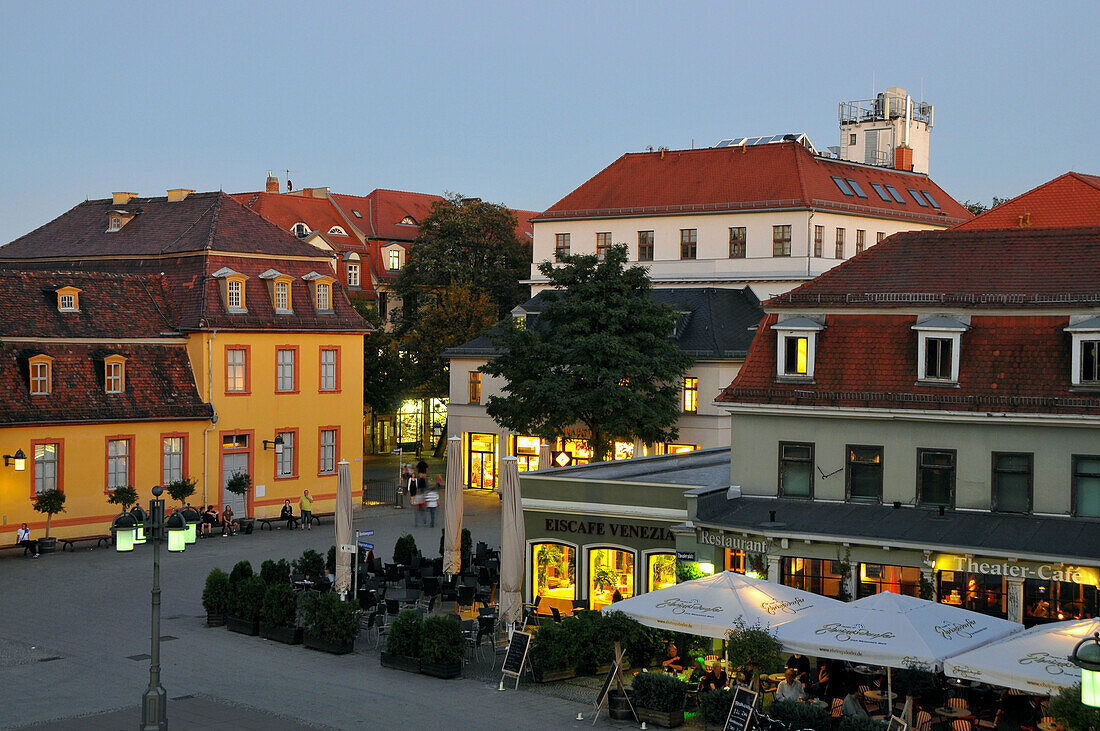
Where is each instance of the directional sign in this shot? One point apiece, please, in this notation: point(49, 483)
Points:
point(364, 533)
point(347, 548)
point(366, 546)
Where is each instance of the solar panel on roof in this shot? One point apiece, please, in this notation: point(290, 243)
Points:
point(856, 188)
point(931, 199)
point(895, 194)
point(917, 197)
point(881, 192)
point(842, 185)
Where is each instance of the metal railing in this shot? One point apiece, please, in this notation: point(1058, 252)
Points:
point(381, 492)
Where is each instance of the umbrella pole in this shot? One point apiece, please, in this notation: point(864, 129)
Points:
point(889, 694)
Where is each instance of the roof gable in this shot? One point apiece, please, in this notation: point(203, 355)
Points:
point(1071, 199)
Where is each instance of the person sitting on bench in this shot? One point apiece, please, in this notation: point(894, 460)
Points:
point(23, 535)
point(287, 514)
point(229, 526)
point(209, 518)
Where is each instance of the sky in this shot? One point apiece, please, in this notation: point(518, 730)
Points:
point(514, 102)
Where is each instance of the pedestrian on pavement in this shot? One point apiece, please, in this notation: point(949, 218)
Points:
point(431, 501)
point(421, 491)
point(305, 504)
point(23, 535)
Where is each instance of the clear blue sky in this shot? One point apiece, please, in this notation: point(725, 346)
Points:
point(514, 102)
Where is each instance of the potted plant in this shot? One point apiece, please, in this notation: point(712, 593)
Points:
point(245, 601)
point(240, 571)
point(659, 699)
point(310, 565)
point(805, 716)
point(1068, 710)
point(715, 705)
point(404, 550)
point(278, 613)
point(554, 653)
point(595, 646)
point(403, 643)
point(641, 644)
point(181, 489)
point(855, 723)
point(50, 502)
point(215, 597)
point(124, 496)
point(330, 624)
point(752, 645)
point(275, 572)
point(238, 484)
point(442, 646)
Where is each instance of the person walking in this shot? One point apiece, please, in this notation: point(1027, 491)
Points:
point(305, 504)
point(23, 535)
point(431, 502)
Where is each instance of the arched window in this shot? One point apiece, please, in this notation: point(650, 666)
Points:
point(610, 572)
point(554, 576)
point(337, 231)
point(300, 230)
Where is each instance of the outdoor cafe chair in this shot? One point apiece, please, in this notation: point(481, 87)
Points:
point(580, 605)
point(960, 724)
point(393, 607)
point(465, 597)
point(990, 723)
point(531, 612)
point(924, 721)
point(412, 598)
point(556, 614)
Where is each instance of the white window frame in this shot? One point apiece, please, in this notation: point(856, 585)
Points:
point(1081, 332)
point(940, 327)
point(393, 260)
point(118, 463)
point(236, 372)
point(324, 296)
point(284, 367)
point(327, 462)
point(328, 369)
point(234, 294)
point(282, 297)
point(66, 302)
point(112, 377)
point(353, 275)
point(284, 463)
point(45, 467)
point(171, 459)
point(796, 327)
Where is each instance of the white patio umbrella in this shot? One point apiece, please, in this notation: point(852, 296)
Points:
point(709, 606)
point(452, 526)
point(344, 534)
point(1035, 660)
point(512, 540)
point(544, 456)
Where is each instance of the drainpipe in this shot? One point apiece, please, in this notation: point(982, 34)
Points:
point(809, 240)
point(213, 420)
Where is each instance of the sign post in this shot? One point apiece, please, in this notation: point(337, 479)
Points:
point(355, 557)
point(516, 656)
point(741, 710)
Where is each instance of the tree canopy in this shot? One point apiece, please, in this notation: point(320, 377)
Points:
point(977, 207)
point(598, 354)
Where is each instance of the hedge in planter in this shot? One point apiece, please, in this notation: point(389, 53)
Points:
point(554, 653)
point(801, 715)
point(442, 646)
point(311, 565)
point(715, 705)
point(403, 642)
point(278, 614)
point(241, 570)
point(330, 624)
point(659, 698)
point(595, 645)
point(640, 643)
point(246, 599)
point(275, 572)
point(215, 597)
point(404, 550)
point(859, 723)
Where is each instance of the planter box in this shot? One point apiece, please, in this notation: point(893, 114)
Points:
point(244, 626)
point(320, 643)
point(671, 719)
point(47, 545)
point(286, 635)
point(445, 670)
point(400, 662)
point(601, 669)
point(552, 675)
point(215, 619)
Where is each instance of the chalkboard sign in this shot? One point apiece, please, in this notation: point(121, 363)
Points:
point(741, 710)
point(517, 654)
point(606, 685)
point(897, 724)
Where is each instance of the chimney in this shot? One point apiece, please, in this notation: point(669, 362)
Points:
point(272, 183)
point(175, 195)
point(121, 199)
point(903, 158)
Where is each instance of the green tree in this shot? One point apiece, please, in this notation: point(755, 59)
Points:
point(977, 207)
point(599, 355)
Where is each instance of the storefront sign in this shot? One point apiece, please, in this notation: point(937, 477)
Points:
point(724, 540)
point(1010, 569)
point(615, 530)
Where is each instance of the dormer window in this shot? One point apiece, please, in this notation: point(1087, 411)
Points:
point(939, 340)
point(324, 296)
point(117, 218)
point(279, 288)
point(235, 296)
point(68, 299)
point(300, 230)
point(115, 223)
point(408, 221)
point(337, 231)
point(1085, 358)
point(394, 259)
point(796, 347)
point(41, 375)
point(282, 296)
point(233, 290)
point(114, 374)
point(322, 291)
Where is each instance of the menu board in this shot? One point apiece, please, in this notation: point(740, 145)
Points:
point(606, 685)
point(897, 724)
point(741, 710)
point(517, 653)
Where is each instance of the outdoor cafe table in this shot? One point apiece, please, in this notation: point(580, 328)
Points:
point(776, 677)
point(879, 695)
point(953, 712)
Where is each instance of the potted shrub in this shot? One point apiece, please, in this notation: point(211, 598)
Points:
point(181, 489)
point(404, 550)
point(278, 614)
point(595, 645)
point(640, 644)
point(553, 653)
point(330, 625)
point(310, 565)
point(659, 699)
point(805, 716)
point(715, 705)
point(442, 646)
point(238, 484)
point(858, 723)
point(330, 559)
point(127, 497)
point(273, 572)
point(215, 597)
point(1068, 710)
point(245, 601)
point(50, 502)
point(752, 645)
point(403, 643)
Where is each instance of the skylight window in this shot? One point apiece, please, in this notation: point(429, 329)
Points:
point(842, 185)
point(917, 197)
point(356, 213)
point(856, 188)
point(895, 194)
point(881, 192)
point(931, 199)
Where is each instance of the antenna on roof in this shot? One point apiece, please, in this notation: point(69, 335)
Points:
point(289, 185)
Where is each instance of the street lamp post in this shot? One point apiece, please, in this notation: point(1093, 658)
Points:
point(1086, 655)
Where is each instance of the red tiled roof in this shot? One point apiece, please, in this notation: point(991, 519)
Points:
point(782, 175)
point(1007, 364)
point(383, 210)
point(1072, 199)
point(962, 268)
point(285, 210)
point(159, 384)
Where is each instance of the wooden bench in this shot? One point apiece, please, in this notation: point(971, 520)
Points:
point(103, 539)
point(316, 517)
point(244, 525)
point(268, 521)
point(11, 546)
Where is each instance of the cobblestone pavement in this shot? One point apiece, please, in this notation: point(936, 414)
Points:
point(74, 644)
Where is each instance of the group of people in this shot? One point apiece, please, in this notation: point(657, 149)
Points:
point(421, 497)
point(211, 517)
point(305, 504)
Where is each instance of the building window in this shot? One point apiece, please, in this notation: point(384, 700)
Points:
point(286, 370)
point(45, 467)
point(300, 230)
point(610, 572)
point(938, 344)
point(864, 474)
point(337, 231)
point(475, 388)
point(284, 463)
point(236, 370)
point(393, 258)
point(691, 395)
point(113, 377)
point(876, 578)
point(118, 463)
point(737, 242)
point(40, 377)
point(622, 450)
point(817, 575)
point(861, 240)
point(852, 138)
point(689, 239)
point(660, 571)
point(880, 236)
point(171, 459)
point(839, 254)
point(383, 306)
point(353, 275)
point(603, 243)
point(282, 296)
point(66, 302)
point(645, 246)
point(936, 477)
point(326, 462)
point(819, 241)
point(324, 296)
point(1090, 361)
point(1086, 486)
point(937, 358)
point(329, 368)
point(1054, 601)
point(482, 450)
point(561, 246)
point(1012, 480)
point(116, 223)
point(983, 593)
point(234, 298)
point(781, 240)
point(796, 355)
point(796, 470)
point(554, 578)
point(526, 452)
